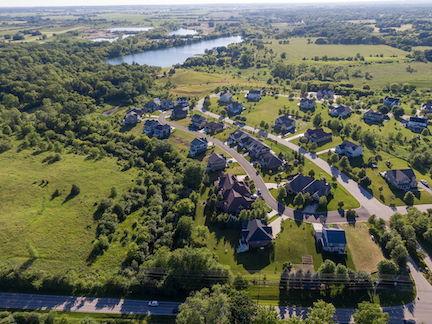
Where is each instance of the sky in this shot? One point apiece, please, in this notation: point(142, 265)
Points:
point(38, 3)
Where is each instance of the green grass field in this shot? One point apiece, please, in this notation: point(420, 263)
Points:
point(47, 234)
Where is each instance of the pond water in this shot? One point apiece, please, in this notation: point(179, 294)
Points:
point(183, 32)
point(167, 57)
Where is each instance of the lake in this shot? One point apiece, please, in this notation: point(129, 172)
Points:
point(167, 57)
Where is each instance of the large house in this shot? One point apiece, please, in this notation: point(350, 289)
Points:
point(152, 105)
point(166, 104)
point(284, 124)
point(269, 161)
point(331, 239)
point(131, 118)
point(214, 128)
point(349, 149)
point(254, 95)
point(404, 179)
point(391, 102)
point(255, 235)
point(234, 108)
point(417, 124)
point(235, 195)
point(225, 98)
point(216, 162)
point(307, 104)
point(247, 142)
point(325, 94)
point(340, 111)
point(179, 112)
point(306, 184)
point(153, 128)
point(198, 122)
point(198, 146)
point(318, 136)
point(373, 117)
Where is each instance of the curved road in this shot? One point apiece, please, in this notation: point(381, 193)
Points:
point(369, 204)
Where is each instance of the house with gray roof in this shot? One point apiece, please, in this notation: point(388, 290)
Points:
point(198, 146)
point(306, 184)
point(254, 235)
point(254, 95)
point(284, 124)
point(152, 128)
point(391, 102)
point(234, 108)
point(403, 179)
point(307, 104)
point(216, 162)
point(349, 149)
point(318, 136)
point(269, 161)
point(417, 124)
point(340, 111)
point(213, 127)
point(198, 122)
point(373, 117)
point(225, 98)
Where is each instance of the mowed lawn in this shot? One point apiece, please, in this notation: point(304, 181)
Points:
point(58, 232)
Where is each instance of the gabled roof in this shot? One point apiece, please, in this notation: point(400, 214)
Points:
point(373, 114)
point(307, 184)
point(257, 231)
point(316, 133)
point(335, 235)
point(340, 109)
point(215, 158)
point(284, 119)
point(402, 176)
point(348, 145)
point(214, 125)
point(271, 160)
point(197, 118)
point(199, 142)
point(416, 119)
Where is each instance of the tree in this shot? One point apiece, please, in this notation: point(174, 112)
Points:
point(266, 315)
point(327, 267)
point(205, 306)
point(282, 194)
point(399, 254)
point(242, 308)
point(370, 313)
point(409, 198)
point(323, 201)
point(193, 175)
point(185, 206)
point(240, 283)
point(365, 182)
point(183, 232)
point(344, 163)
point(387, 267)
point(299, 200)
point(320, 313)
point(317, 120)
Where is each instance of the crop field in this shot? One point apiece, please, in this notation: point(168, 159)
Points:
point(46, 233)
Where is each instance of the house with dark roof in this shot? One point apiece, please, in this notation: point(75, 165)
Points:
point(153, 128)
point(417, 124)
point(254, 95)
point(235, 195)
point(247, 142)
point(331, 239)
point(373, 117)
point(213, 128)
point(349, 149)
point(284, 124)
point(427, 107)
point(318, 136)
point(152, 105)
point(131, 118)
point(182, 102)
point(340, 111)
point(166, 104)
point(254, 235)
point(391, 102)
point(198, 146)
point(216, 162)
point(325, 94)
point(307, 104)
point(306, 184)
point(225, 98)
point(269, 161)
point(198, 122)
point(403, 179)
point(234, 108)
point(179, 112)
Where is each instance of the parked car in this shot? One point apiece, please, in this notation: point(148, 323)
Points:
point(153, 303)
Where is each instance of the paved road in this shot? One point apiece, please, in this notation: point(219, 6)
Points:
point(369, 204)
point(84, 304)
